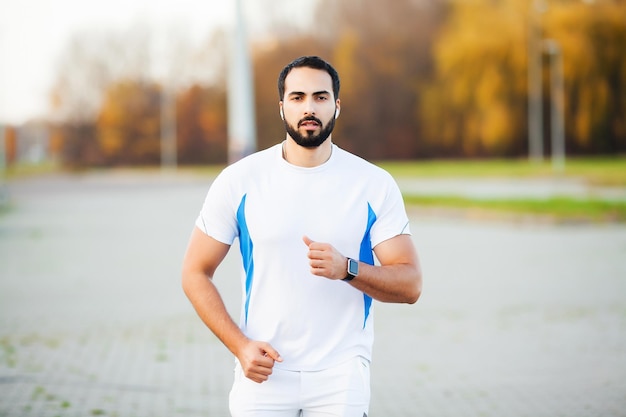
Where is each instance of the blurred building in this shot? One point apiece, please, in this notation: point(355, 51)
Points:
point(32, 144)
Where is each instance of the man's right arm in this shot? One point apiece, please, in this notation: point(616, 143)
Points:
point(204, 254)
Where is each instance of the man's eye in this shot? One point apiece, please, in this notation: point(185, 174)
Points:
point(322, 98)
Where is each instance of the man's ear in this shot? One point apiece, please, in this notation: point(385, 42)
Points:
point(280, 110)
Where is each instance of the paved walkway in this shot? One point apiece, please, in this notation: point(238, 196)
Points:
point(516, 319)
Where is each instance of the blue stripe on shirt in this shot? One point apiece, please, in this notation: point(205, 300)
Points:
point(245, 246)
point(366, 255)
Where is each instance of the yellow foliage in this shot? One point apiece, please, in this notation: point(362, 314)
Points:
point(346, 63)
point(592, 37)
point(481, 60)
point(495, 132)
point(129, 123)
point(481, 65)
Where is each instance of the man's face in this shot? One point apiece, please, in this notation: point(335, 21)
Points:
point(309, 106)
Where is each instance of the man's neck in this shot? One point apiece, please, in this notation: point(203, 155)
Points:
point(306, 157)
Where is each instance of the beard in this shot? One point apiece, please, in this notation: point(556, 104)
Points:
point(310, 139)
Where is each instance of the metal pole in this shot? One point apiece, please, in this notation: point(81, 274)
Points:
point(241, 119)
point(557, 105)
point(535, 108)
point(168, 129)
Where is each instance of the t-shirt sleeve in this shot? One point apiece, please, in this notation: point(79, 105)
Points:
point(218, 217)
point(391, 218)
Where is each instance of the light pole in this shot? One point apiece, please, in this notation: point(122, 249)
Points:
point(168, 127)
point(170, 49)
point(535, 108)
point(557, 104)
point(241, 119)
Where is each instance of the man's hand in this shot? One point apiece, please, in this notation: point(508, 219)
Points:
point(325, 260)
point(257, 360)
point(398, 278)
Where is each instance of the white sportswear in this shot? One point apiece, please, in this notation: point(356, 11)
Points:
point(313, 322)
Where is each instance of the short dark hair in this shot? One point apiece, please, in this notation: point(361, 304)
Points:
point(314, 62)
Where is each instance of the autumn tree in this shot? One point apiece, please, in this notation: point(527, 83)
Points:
point(90, 63)
point(476, 102)
point(10, 144)
point(202, 133)
point(592, 37)
point(96, 68)
point(443, 78)
point(383, 53)
point(128, 125)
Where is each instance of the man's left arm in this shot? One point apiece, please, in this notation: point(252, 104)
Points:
point(398, 278)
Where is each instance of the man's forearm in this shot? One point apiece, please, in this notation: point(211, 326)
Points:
point(211, 309)
point(398, 283)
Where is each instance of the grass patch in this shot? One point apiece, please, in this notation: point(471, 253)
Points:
point(561, 208)
point(596, 171)
point(605, 170)
point(22, 170)
point(8, 352)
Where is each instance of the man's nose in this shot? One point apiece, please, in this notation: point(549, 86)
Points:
point(309, 107)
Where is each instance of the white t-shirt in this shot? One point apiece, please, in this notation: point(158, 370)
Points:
point(269, 204)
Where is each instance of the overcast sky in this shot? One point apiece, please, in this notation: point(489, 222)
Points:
point(34, 32)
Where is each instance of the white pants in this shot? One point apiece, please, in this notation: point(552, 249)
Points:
point(341, 391)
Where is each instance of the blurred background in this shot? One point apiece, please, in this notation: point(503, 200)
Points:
point(85, 85)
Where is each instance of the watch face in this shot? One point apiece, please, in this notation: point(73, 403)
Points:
point(353, 267)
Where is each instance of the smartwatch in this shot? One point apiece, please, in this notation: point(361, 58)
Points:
point(353, 269)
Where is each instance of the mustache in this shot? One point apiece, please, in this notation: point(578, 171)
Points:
point(310, 119)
